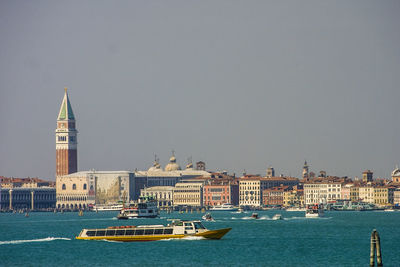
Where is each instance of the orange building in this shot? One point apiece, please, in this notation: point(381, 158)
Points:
point(218, 192)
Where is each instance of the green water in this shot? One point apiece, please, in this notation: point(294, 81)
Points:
point(338, 239)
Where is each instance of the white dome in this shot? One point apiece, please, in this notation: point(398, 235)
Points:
point(396, 172)
point(156, 167)
point(172, 165)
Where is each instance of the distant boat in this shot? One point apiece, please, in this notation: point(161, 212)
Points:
point(315, 211)
point(80, 213)
point(207, 217)
point(27, 214)
point(254, 215)
point(146, 207)
point(108, 207)
point(277, 217)
point(224, 207)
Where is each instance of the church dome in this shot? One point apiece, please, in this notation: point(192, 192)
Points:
point(172, 165)
point(396, 172)
point(189, 166)
point(156, 167)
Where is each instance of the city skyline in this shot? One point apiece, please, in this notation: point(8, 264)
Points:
point(238, 86)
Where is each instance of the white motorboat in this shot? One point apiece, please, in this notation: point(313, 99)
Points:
point(315, 211)
point(277, 217)
point(207, 217)
point(224, 207)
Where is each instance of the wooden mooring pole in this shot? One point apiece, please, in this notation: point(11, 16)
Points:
point(375, 250)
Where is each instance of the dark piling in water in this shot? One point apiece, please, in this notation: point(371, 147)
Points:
point(375, 250)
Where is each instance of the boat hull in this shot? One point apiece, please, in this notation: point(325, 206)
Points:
point(210, 234)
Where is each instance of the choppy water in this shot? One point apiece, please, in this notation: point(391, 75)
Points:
point(338, 239)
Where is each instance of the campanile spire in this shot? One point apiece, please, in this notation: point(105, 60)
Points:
point(66, 139)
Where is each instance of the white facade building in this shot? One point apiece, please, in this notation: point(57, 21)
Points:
point(324, 192)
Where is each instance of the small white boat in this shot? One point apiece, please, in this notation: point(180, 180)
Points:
point(315, 211)
point(277, 217)
point(388, 210)
point(207, 217)
point(224, 207)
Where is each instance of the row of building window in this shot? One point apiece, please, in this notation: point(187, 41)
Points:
point(64, 187)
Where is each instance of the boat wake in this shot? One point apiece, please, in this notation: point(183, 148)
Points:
point(47, 239)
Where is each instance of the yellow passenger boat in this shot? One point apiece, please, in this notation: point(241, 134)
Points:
point(177, 229)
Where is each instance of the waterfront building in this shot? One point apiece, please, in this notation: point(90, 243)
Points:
point(383, 195)
point(274, 196)
point(367, 193)
point(66, 139)
point(163, 194)
point(355, 193)
point(188, 194)
point(396, 197)
point(367, 176)
point(41, 198)
point(294, 197)
point(345, 193)
point(86, 188)
point(396, 175)
point(322, 191)
point(251, 187)
point(219, 191)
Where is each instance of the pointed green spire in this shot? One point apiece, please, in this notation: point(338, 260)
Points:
point(66, 112)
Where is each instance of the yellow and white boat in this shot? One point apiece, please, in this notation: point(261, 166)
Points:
point(177, 229)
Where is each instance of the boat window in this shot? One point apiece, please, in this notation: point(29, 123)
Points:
point(158, 231)
point(120, 232)
point(130, 232)
point(148, 231)
point(198, 225)
point(110, 232)
point(91, 233)
point(168, 231)
point(139, 232)
point(101, 233)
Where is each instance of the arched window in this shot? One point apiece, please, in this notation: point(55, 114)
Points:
point(63, 187)
point(84, 186)
point(74, 187)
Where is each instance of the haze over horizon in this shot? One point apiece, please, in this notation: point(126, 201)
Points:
point(240, 85)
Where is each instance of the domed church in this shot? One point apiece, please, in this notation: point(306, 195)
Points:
point(396, 175)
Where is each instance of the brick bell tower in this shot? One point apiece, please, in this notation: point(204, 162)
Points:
point(66, 140)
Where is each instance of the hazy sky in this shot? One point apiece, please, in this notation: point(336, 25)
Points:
point(237, 84)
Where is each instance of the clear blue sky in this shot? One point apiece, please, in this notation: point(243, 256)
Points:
point(237, 84)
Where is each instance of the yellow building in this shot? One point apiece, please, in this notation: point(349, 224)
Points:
point(367, 194)
point(293, 198)
point(188, 194)
point(384, 195)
